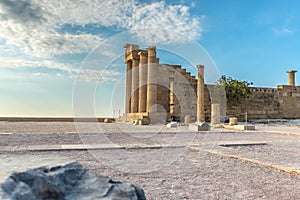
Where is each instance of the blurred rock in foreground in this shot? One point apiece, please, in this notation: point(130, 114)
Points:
point(70, 181)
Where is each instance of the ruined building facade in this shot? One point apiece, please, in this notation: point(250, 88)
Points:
point(163, 92)
point(158, 91)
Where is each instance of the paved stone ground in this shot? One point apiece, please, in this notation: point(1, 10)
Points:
point(166, 173)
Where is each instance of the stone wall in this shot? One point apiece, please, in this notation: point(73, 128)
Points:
point(267, 103)
point(183, 93)
point(163, 87)
point(289, 101)
point(183, 100)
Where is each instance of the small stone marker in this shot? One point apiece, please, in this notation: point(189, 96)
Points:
point(233, 121)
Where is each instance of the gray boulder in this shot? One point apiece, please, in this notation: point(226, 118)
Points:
point(71, 181)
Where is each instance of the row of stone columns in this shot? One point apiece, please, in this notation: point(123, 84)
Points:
point(141, 79)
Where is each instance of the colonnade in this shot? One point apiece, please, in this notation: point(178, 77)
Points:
point(141, 79)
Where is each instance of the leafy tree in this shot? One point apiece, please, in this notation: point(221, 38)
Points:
point(234, 89)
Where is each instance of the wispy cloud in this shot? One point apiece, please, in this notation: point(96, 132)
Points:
point(98, 75)
point(282, 31)
point(34, 25)
point(21, 63)
point(67, 71)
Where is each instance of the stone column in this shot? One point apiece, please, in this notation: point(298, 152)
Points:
point(215, 114)
point(200, 95)
point(143, 81)
point(135, 86)
point(128, 87)
point(152, 81)
point(291, 77)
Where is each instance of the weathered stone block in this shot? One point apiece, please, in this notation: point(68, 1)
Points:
point(145, 121)
point(172, 125)
point(233, 121)
point(199, 126)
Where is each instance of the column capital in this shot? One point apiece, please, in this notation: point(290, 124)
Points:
point(142, 53)
point(200, 67)
point(151, 48)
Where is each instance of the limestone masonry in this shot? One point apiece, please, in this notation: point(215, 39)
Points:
point(162, 92)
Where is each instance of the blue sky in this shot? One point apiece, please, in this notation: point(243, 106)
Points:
point(45, 44)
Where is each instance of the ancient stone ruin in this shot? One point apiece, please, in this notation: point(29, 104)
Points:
point(163, 92)
point(157, 91)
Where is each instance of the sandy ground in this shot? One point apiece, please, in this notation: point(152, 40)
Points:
point(177, 172)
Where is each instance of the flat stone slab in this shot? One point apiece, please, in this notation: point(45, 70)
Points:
point(240, 127)
point(92, 147)
point(6, 133)
point(241, 143)
point(199, 127)
point(72, 147)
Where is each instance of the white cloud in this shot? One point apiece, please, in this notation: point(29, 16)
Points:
point(168, 23)
point(91, 75)
point(282, 31)
point(35, 31)
point(21, 63)
point(81, 12)
point(98, 75)
point(34, 26)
